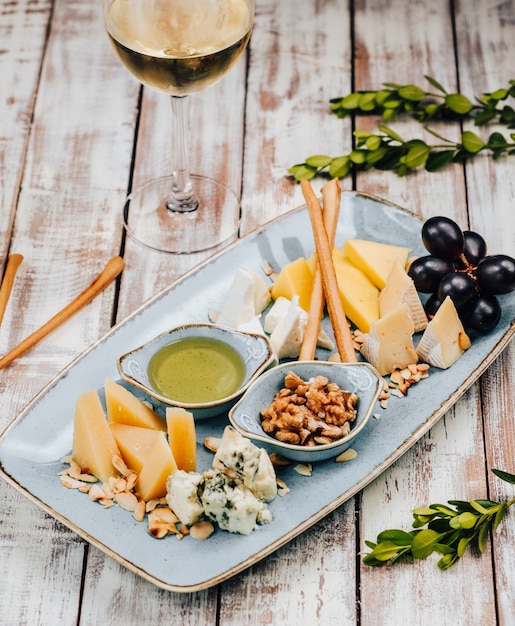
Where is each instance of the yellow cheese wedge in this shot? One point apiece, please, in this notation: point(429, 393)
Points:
point(444, 339)
point(294, 279)
point(123, 407)
point(400, 289)
point(389, 344)
point(93, 443)
point(160, 464)
point(135, 444)
point(374, 259)
point(360, 297)
point(182, 438)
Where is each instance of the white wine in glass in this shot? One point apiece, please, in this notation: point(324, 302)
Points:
point(179, 47)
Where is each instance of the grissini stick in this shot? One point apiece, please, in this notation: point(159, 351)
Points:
point(332, 295)
point(331, 193)
point(112, 269)
point(13, 263)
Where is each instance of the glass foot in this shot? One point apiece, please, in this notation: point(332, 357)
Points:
point(148, 219)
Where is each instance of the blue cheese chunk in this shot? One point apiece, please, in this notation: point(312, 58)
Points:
point(183, 496)
point(231, 505)
point(238, 457)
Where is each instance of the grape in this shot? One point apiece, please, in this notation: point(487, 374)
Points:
point(432, 305)
point(460, 287)
point(496, 274)
point(443, 238)
point(428, 271)
point(483, 315)
point(474, 247)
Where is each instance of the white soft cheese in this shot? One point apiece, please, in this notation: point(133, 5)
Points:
point(281, 310)
point(248, 295)
point(183, 496)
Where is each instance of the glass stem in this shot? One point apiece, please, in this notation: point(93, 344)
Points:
point(182, 198)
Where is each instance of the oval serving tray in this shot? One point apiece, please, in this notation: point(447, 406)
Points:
point(31, 448)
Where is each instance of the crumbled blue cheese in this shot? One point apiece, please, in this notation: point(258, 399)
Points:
point(233, 493)
point(230, 504)
point(183, 495)
point(237, 456)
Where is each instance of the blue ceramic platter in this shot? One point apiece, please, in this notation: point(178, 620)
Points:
point(32, 446)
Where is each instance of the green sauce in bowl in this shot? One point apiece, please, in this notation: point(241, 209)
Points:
point(196, 370)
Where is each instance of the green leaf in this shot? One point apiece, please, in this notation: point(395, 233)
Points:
point(423, 543)
point(398, 537)
point(367, 101)
point(357, 156)
point(499, 516)
point(375, 156)
point(373, 142)
point(389, 114)
point(471, 142)
point(381, 96)
point(302, 171)
point(465, 520)
point(484, 117)
point(417, 155)
point(496, 140)
point(351, 101)
point(425, 511)
point(412, 93)
point(340, 167)
point(389, 132)
point(384, 551)
point(435, 83)
point(447, 560)
point(482, 537)
point(509, 478)
point(499, 94)
point(318, 160)
point(459, 103)
point(438, 160)
point(462, 545)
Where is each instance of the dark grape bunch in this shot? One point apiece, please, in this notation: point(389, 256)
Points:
point(457, 266)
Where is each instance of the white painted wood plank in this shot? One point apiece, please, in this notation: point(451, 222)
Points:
point(23, 27)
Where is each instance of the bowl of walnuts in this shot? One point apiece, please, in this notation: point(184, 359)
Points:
point(308, 411)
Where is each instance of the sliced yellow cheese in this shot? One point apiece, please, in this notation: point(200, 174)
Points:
point(93, 443)
point(160, 464)
point(444, 339)
point(360, 297)
point(400, 289)
point(123, 407)
point(135, 444)
point(389, 344)
point(182, 438)
point(294, 279)
point(374, 259)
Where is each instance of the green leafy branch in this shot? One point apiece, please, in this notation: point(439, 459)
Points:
point(394, 99)
point(387, 150)
point(446, 529)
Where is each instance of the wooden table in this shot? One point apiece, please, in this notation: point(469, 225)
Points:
point(68, 114)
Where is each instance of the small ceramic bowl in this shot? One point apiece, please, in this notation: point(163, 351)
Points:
point(255, 350)
point(359, 378)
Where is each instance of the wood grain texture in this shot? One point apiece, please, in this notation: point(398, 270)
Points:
point(68, 114)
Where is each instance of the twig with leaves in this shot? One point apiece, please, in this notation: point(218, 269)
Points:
point(446, 529)
point(387, 150)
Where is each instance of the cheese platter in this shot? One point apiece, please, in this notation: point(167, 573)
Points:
point(32, 447)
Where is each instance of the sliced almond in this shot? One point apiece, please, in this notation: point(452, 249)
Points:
point(127, 500)
point(212, 443)
point(304, 469)
point(201, 530)
point(346, 455)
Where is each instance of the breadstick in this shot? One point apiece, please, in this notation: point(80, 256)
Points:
point(13, 263)
point(334, 304)
point(331, 193)
point(105, 278)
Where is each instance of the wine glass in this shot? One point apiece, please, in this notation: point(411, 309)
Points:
point(180, 47)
